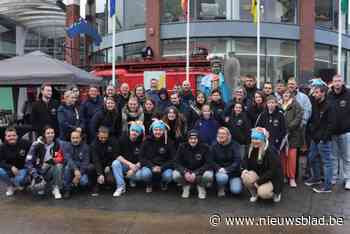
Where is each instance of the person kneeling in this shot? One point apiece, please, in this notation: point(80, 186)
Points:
point(262, 174)
point(103, 153)
point(128, 160)
point(157, 155)
point(226, 162)
point(45, 164)
point(77, 159)
point(192, 166)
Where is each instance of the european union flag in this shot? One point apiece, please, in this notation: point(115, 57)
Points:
point(111, 7)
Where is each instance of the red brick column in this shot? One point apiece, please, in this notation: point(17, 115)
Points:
point(72, 46)
point(153, 10)
point(307, 39)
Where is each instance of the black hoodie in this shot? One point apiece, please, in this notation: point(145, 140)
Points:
point(239, 126)
point(13, 155)
point(103, 154)
point(155, 152)
point(341, 104)
point(130, 150)
point(226, 156)
point(195, 159)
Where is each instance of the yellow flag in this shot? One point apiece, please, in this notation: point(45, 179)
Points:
point(253, 10)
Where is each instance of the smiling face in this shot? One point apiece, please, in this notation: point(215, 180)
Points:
point(171, 115)
point(49, 135)
point(110, 91)
point(133, 105)
point(238, 108)
point(140, 92)
point(110, 105)
point(149, 106)
point(222, 136)
point(93, 92)
point(206, 112)
point(193, 141)
point(11, 137)
point(258, 99)
point(200, 98)
point(75, 138)
point(158, 133)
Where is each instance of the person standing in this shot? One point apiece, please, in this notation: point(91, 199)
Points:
point(186, 93)
point(44, 111)
point(153, 92)
point(340, 98)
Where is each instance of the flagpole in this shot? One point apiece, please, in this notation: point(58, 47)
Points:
point(258, 44)
point(340, 28)
point(188, 42)
point(113, 48)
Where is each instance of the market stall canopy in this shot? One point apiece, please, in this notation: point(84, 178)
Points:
point(36, 68)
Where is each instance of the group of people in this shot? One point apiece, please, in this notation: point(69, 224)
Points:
point(153, 137)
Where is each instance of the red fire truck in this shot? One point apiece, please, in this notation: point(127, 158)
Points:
point(132, 72)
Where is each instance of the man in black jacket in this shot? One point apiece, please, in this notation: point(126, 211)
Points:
point(321, 128)
point(44, 111)
point(12, 160)
point(340, 99)
point(192, 166)
point(103, 153)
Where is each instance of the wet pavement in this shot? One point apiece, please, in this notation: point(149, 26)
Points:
point(165, 212)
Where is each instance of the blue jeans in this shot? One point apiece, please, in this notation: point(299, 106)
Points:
point(119, 169)
point(325, 151)
point(235, 182)
point(68, 176)
point(341, 156)
point(147, 175)
point(17, 180)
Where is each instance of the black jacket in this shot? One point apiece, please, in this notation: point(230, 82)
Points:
point(268, 169)
point(69, 119)
point(121, 102)
point(218, 109)
point(109, 119)
point(226, 156)
point(77, 156)
point(13, 155)
point(239, 126)
point(195, 159)
point(128, 149)
point(103, 154)
point(155, 152)
point(275, 124)
point(231, 104)
point(322, 121)
point(253, 113)
point(44, 114)
point(341, 104)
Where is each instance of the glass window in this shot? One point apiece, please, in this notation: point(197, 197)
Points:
point(135, 13)
point(335, 60)
point(134, 50)
point(281, 11)
point(211, 9)
point(173, 12)
point(324, 13)
point(322, 58)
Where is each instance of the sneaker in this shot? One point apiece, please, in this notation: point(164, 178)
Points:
point(292, 183)
point(186, 191)
point(149, 189)
point(10, 191)
point(347, 185)
point(221, 192)
point(132, 184)
point(334, 182)
point(322, 189)
point(202, 193)
point(56, 193)
point(253, 198)
point(277, 197)
point(19, 188)
point(164, 186)
point(95, 191)
point(285, 180)
point(66, 194)
point(312, 182)
point(119, 191)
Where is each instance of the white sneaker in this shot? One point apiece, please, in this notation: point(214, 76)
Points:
point(56, 193)
point(149, 189)
point(119, 191)
point(10, 191)
point(202, 193)
point(221, 192)
point(253, 198)
point(347, 185)
point(292, 183)
point(277, 197)
point(186, 191)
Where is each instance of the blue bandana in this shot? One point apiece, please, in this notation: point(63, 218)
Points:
point(137, 128)
point(317, 82)
point(158, 124)
point(256, 135)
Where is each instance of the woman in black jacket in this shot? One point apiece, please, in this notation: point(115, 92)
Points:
point(192, 166)
point(157, 156)
point(150, 113)
point(239, 126)
point(257, 107)
point(107, 117)
point(177, 124)
point(262, 174)
point(226, 163)
point(195, 109)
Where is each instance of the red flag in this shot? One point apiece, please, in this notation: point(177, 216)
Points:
point(184, 7)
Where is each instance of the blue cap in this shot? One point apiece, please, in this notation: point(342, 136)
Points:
point(257, 135)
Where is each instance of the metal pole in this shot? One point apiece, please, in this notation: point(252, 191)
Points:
point(258, 44)
point(188, 42)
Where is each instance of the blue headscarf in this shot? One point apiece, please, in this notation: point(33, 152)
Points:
point(139, 128)
point(257, 135)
